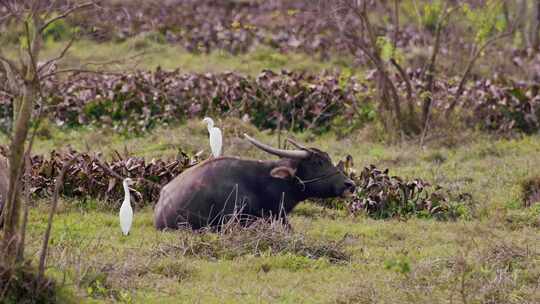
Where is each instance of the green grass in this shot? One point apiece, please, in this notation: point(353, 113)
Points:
point(494, 257)
point(89, 245)
point(416, 261)
point(146, 53)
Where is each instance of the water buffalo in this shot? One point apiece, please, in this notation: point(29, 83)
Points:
point(207, 194)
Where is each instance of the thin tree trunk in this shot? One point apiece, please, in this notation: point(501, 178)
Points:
point(522, 21)
point(396, 24)
point(477, 51)
point(58, 186)
point(11, 211)
point(430, 76)
point(535, 26)
point(27, 168)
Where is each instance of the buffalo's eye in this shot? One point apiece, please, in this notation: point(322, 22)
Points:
point(320, 162)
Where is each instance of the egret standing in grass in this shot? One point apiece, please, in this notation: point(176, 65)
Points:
point(126, 212)
point(215, 137)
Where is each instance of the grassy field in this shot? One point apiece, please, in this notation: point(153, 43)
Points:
point(144, 52)
point(492, 255)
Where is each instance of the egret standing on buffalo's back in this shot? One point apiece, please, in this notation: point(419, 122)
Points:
point(215, 137)
point(126, 212)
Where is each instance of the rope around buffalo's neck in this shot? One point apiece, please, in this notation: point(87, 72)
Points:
point(313, 180)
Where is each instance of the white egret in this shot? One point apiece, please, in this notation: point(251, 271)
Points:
point(215, 137)
point(126, 212)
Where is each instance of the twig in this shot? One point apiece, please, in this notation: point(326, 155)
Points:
point(108, 170)
point(469, 66)
point(100, 72)
point(59, 184)
point(9, 63)
point(314, 121)
point(387, 87)
point(118, 176)
point(30, 49)
point(404, 76)
point(428, 101)
point(65, 71)
point(116, 61)
point(396, 23)
point(11, 12)
point(60, 56)
point(64, 15)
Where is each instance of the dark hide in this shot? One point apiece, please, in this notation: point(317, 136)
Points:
point(209, 193)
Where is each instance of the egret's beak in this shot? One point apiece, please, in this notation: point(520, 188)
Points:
point(136, 192)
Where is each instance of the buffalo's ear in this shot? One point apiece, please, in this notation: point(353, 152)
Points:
point(341, 166)
point(283, 172)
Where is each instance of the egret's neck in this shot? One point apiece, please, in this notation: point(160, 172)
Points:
point(126, 193)
point(210, 125)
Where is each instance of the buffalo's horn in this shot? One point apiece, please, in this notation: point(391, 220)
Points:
point(294, 143)
point(278, 152)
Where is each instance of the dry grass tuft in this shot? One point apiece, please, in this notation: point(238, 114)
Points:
point(22, 286)
point(530, 191)
point(358, 293)
point(260, 237)
point(173, 268)
point(500, 272)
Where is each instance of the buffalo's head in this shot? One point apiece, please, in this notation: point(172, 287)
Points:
point(311, 168)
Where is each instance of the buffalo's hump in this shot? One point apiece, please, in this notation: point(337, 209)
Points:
point(202, 195)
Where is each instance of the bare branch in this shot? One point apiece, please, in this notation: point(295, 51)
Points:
point(428, 100)
point(82, 71)
point(396, 23)
point(30, 49)
point(118, 176)
point(11, 65)
point(4, 18)
point(115, 61)
point(469, 66)
point(90, 71)
point(59, 57)
point(387, 88)
point(50, 9)
point(65, 14)
point(11, 11)
point(12, 78)
point(439, 27)
point(403, 76)
point(58, 186)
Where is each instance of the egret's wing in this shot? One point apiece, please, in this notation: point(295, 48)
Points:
point(216, 141)
point(126, 217)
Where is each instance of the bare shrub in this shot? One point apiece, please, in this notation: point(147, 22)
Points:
point(381, 195)
point(23, 285)
point(494, 272)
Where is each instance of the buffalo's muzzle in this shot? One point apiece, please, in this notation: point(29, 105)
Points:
point(350, 187)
